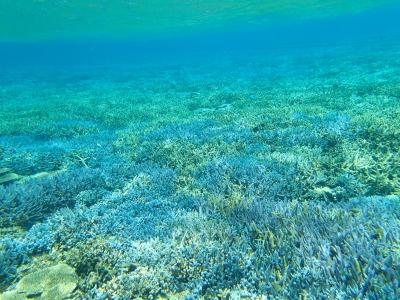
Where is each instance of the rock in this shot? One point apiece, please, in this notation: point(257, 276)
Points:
point(34, 176)
point(4, 170)
point(53, 283)
point(13, 295)
point(39, 175)
point(8, 178)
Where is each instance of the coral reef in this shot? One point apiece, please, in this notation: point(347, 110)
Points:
point(279, 179)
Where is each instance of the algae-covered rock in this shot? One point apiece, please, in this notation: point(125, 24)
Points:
point(56, 282)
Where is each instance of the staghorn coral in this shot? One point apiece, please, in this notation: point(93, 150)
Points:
point(315, 248)
point(12, 254)
point(198, 184)
point(25, 204)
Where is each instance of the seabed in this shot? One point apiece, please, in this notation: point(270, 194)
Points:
point(273, 176)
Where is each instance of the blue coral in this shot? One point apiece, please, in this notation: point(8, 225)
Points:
point(25, 204)
point(276, 233)
point(12, 254)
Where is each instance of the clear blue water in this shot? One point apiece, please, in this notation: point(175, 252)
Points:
point(229, 150)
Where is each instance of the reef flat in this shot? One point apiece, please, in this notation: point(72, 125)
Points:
point(274, 176)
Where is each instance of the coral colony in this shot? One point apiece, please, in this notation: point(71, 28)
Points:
point(274, 182)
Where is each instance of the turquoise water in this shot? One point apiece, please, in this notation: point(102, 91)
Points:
point(213, 150)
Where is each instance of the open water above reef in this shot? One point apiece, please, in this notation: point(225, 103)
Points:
point(198, 169)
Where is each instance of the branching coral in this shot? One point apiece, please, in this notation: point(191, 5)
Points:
point(163, 183)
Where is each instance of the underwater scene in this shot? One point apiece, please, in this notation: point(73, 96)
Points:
point(199, 149)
